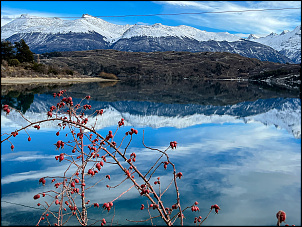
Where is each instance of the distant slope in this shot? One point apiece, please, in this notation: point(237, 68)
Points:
point(287, 43)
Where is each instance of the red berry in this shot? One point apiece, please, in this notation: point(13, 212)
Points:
point(37, 196)
point(29, 139)
point(281, 215)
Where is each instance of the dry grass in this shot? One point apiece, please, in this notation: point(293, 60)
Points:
point(108, 76)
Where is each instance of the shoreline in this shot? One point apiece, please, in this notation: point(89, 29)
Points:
point(31, 80)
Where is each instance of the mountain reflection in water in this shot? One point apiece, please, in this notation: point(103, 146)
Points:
point(160, 105)
point(239, 147)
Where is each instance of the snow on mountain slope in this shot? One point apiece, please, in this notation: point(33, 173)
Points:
point(86, 24)
point(112, 32)
point(159, 30)
point(288, 43)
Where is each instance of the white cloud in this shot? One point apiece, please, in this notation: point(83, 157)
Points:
point(254, 22)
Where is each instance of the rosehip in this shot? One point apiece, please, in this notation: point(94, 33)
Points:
point(281, 216)
point(37, 196)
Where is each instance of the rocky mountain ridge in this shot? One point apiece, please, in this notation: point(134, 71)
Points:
point(287, 43)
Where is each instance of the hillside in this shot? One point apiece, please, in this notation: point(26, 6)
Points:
point(171, 65)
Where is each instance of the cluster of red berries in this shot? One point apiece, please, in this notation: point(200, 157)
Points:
point(91, 148)
point(108, 176)
point(57, 184)
point(173, 144)
point(154, 206)
point(142, 206)
point(179, 175)
point(99, 165)
point(49, 113)
point(166, 164)
point(15, 133)
point(59, 144)
point(132, 157)
point(37, 127)
point(86, 106)
point(92, 172)
point(109, 136)
point(144, 190)
point(174, 206)
point(85, 121)
point(216, 207)
point(96, 205)
point(197, 219)
point(42, 180)
point(59, 93)
point(103, 222)
point(131, 132)
point(6, 109)
point(88, 97)
point(60, 157)
point(72, 208)
point(157, 182)
point(121, 122)
point(107, 206)
point(194, 208)
point(100, 112)
point(80, 135)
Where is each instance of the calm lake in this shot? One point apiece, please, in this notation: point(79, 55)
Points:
point(239, 146)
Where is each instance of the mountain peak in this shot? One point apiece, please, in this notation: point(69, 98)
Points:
point(252, 36)
point(273, 34)
point(284, 32)
point(87, 16)
point(25, 16)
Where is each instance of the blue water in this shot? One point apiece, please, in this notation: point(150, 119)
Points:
point(250, 169)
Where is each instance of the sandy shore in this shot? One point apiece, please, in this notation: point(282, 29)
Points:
point(30, 80)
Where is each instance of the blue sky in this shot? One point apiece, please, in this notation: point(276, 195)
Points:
point(242, 24)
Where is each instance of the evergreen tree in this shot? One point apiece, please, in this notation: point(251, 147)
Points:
point(7, 50)
point(23, 54)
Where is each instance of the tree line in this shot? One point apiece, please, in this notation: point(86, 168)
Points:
point(17, 53)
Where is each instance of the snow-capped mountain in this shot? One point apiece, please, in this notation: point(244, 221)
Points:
point(287, 43)
point(88, 33)
point(111, 32)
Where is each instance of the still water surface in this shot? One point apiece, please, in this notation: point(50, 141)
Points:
point(239, 146)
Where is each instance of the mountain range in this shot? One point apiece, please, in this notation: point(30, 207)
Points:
point(89, 33)
point(287, 43)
